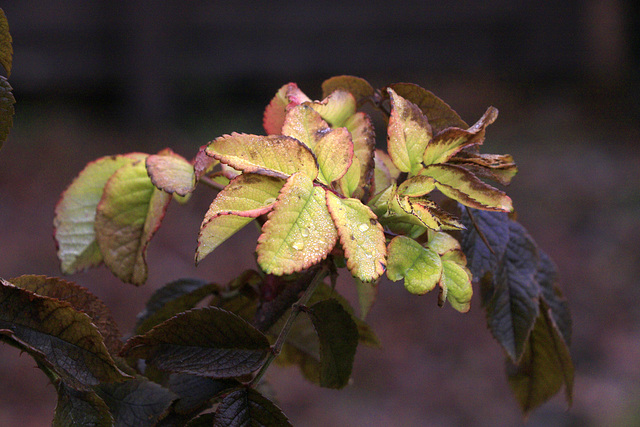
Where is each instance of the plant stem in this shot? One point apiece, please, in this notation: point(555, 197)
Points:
point(296, 308)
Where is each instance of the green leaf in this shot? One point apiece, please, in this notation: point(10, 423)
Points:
point(408, 134)
point(206, 341)
point(80, 408)
point(65, 338)
point(171, 173)
point(335, 154)
point(456, 283)
point(336, 108)
point(511, 296)
point(358, 87)
point(6, 109)
point(299, 232)
point(305, 124)
point(439, 114)
point(171, 299)
point(274, 155)
point(75, 213)
point(128, 215)
point(80, 299)
point(544, 367)
point(274, 114)
point(6, 48)
point(338, 337)
point(246, 197)
point(350, 183)
point(420, 267)
point(361, 236)
point(461, 185)
point(136, 402)
point(247, 407)
point(448, 142)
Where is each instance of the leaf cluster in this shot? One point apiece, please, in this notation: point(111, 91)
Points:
point(325, 198)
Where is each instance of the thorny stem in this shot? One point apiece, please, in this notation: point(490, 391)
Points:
point(296, 308)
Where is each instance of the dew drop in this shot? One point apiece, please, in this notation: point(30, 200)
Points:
point(304, 231)
point(369, 255)
point(298, 245)
point(363, 227)
point(269, 200)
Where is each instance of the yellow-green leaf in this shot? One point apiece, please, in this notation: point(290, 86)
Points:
point(408, 134)
point(127, 217)
point(450, 141)
point(428, 213)
point(364, 144)
point(361, 236)
point(442, 243)
point(299, 232)
point(349, 183)
point(417, 186)
point(245, 198)
point(274, 155)
point(500, 168)
point(305, 124)
point(461, 185)
point(336, 108)
point(171, 172)
point(335, 154)
point(420, 267)
point(75, 213)
point(6, 49)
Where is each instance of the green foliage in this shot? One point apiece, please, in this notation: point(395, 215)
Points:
point(325, 198)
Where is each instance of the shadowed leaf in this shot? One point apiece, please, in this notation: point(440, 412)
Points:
point(75, 213)
point(361, 236)
point(544, 367)
point(299, 232)
point(6, 48)
point(128, 215)
point(247, 407)
point(552, 296)
point(80, 299)
point(367, 295)
point(80, 408)
point(408, 134)
point(364, 144)
point(171, 299)
point(484, 256)
point(136, 402)
point(221, 345)
point(358, 87)
point(439, 114)
point(6, 109)
point(274, 155)
point(245, 198)
point(195, 392)
point(66, 338)
point(338, 336)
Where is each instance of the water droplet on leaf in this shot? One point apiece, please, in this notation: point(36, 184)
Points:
point(363, 227)
point(304, 231)
point(269, 200)
point(298, 245)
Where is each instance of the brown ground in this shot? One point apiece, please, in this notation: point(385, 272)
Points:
point(578, 193)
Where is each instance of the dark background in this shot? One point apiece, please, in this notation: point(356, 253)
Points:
point(106, 77)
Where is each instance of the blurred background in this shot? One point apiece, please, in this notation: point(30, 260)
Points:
point(107, 77)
